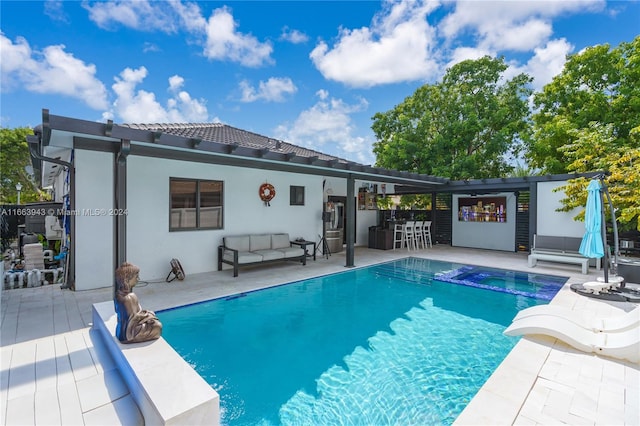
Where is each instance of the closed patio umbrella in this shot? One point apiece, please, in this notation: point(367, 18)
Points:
point(592, 244)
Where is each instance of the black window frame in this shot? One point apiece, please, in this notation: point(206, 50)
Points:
point(296, 191)
point(197, 206)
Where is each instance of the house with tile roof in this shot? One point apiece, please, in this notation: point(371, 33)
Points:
point(149, 193)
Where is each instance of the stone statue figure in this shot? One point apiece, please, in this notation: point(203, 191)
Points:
point(134, 323)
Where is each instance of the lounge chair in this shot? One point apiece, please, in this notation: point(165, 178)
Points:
point(616, 324)
point(620, 345)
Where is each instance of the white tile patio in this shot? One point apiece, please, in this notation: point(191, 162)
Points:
point(55, 370)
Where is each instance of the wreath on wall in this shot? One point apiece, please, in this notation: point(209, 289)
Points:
point(267, 192)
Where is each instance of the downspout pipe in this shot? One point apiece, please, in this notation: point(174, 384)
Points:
point(120, 203)
point(350, 225)
point(35, 154)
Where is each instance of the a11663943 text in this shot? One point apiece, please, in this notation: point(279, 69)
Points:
point(26, 211)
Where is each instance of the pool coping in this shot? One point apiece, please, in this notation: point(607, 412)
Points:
point(165, 387)
point(517, 392)
point(567, 389)
point(505, 398)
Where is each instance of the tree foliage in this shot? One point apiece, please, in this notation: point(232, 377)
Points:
point(14, 157)
point(462, 127)
point(415, 201)
point(595, 149)
point(600, 85)
point(385, 203)
point(588, 119)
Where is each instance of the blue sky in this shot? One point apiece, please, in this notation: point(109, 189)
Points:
point(309, 73)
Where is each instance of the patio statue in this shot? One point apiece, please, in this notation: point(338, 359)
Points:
point(134, 323)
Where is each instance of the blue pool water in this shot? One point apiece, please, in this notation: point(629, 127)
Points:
point(386, 344)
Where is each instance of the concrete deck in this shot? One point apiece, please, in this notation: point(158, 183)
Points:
point(55, 370)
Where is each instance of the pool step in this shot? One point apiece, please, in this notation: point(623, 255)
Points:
point(469, 275)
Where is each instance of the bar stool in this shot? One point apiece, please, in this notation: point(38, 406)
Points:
point(418, 235)
point(409, 234)
point(426, 233)
point(398, 235)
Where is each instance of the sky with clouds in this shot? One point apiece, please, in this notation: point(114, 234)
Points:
point(312, 73)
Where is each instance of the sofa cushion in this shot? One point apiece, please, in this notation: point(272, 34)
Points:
point(240, 243)
point(243, 257)
point(269, 254)
point(292, 251)
point(279, 241)
point(259, 242)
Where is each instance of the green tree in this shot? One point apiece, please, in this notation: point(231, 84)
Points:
point(588, 119)
point(462, 127)
point(415, 201)
point(599, 84)
point(595, 148)
point(384, 203)
point(14, 157)
point(520, 170)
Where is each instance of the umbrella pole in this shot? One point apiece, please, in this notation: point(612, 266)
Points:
point(616, 248)
point(604, 239)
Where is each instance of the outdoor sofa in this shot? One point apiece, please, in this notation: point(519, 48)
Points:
point(559, 249)
point(245, 250)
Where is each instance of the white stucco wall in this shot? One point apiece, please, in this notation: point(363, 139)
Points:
point(151, 246)
point(335, 186)
point(551, 222)
point(59, 185)
point(94, 231)
point(485, 235)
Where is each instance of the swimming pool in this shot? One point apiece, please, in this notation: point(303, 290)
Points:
point(386, 344)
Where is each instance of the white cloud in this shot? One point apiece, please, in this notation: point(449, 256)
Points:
point(328, 127)
point(463, 53)
point(322, 94)
point(293, 36)
point(520, 37)
point(218, 35)
point(51, 71)
point(272, 90)
point(150, 47)
point(185, 109)
point(518, 25)
point(141, 15)
point(547, 62)
point(225, 43)
point(175, 82)
point(190, 16)
point(54, 9)
point(139, 106)
point(399, 46)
